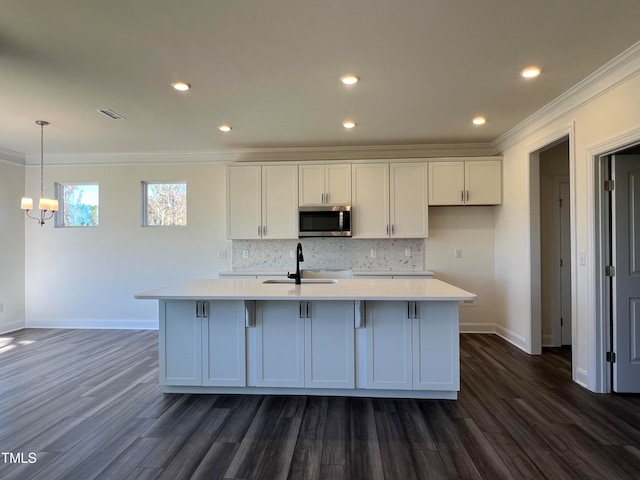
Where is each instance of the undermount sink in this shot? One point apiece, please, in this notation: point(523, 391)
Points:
point(304, 280)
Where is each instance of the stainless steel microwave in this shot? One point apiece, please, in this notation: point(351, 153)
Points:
point(325, 221)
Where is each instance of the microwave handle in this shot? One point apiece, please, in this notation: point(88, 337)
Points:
point(341, 220)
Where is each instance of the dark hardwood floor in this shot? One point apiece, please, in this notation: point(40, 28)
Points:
point(87, 404)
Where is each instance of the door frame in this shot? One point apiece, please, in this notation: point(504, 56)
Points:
point(601, 334)
point(534, 310)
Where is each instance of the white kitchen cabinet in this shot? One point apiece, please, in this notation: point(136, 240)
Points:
point(370, 200)
point(389, 361)
point(278, 353)
point(324, 184)
point(262, 202)
point(203, 343)
point(244, 202)
point(224, 344)
point(408, 200)
point(180, 343)
point(412, 346)
point(329, 344)
point(436, 346)
point(390, 200)
point(474, 182)
point(303, 344)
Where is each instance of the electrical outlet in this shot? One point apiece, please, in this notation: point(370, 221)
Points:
point(245, 253)
point(407, 252)
point(292, 254)
point(458, 253)
point(222, 254)
point(373, 253)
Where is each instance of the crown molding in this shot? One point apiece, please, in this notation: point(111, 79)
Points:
point(12, 157)
point(617, 71)
point(272, 154)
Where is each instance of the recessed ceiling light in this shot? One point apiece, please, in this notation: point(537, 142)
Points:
point(181, 86)
point(530, 72)
point(479, 120)
point(349, 79)
point(348, 124)
point(224, 128)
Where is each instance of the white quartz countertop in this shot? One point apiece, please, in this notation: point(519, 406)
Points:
point(344, 289)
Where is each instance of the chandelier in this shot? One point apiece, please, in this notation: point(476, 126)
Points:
point(47, 206)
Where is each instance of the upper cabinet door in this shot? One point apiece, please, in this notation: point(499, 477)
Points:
point(446, 183)
point(280, 201)
point(325, 184)
point(370, 200)
point(244, 202)
point(483, 182)
point(409, 200)
point(337, 184)
point(311, 184)
point(472, 182)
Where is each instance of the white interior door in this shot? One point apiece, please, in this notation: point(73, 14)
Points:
point(626, 301)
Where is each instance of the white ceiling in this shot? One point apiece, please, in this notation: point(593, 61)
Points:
point(271, 68)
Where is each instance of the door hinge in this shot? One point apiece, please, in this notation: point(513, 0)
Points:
point(610, 271)
point(609, 185)
point(611, 357)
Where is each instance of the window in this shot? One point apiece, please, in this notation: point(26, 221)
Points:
point(78, 204)
point(164, 203)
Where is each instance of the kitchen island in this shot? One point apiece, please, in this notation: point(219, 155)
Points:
point(348, 337)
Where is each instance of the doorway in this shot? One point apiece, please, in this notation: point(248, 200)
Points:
point(555, 245)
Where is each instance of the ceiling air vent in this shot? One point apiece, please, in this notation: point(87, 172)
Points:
point(111, 114)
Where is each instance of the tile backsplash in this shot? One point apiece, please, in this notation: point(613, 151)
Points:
point(347, 253)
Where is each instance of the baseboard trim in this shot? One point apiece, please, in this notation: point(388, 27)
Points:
point(512, 338)
point(98, 324)
point(11, 327)
point(478, 328)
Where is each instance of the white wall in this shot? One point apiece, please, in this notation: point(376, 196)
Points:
point(607, 115)
point(12, 247)
point(87, 277)
point(470, 229)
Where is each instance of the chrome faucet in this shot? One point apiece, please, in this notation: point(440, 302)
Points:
point(299, 258)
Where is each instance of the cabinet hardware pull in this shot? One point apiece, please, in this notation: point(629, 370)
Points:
point(359, 317)
point(205, 309)
point(300, 314)
point(415, 309)
point(408, 309)
point(462, 195)
point(393, 229)
point(323, 198)
point(259, 230)
point(387, 229)
point(198, 309)
point(249, 313)
point(264, 231)
point(308, 310)
point(326, 198)
point(467, 195)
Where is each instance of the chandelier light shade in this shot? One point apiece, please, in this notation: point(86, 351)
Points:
point(47, 206)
